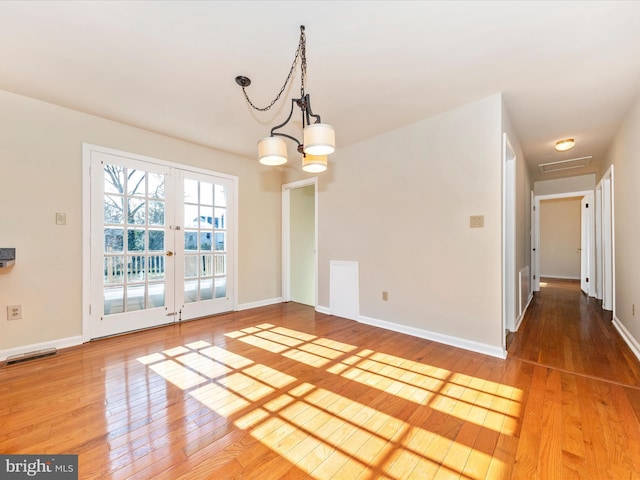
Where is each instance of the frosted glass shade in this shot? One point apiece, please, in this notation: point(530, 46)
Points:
point(314, 163)
point(566, 144)
point(272, 151)
point(319, 139)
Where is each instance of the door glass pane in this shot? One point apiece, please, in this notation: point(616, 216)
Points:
point(206, 217)
point(135, 240)
point(156, 185)
point(156, 213)
point(113, 270)
point(114, 179)
point(221, 264)
point(113, 208)
point(156, 295)
point(220, 196)
point(206, 193)
point(191, 191)
point(136, 298)
point(206, 289)
point(191, 216)
point(156, 240)
point(219, 220)
point(113, 240)
point(191, 241)
point(190, 291)
point(221, 287)
point(135, 268)
point(155, 267)
point(191, 266)
point(113, 300)
point(220, 241)
point(206, 265)
point(136, 211)
point(206, 245)
point(136, 185)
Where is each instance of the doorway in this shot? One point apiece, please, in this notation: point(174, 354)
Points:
point(586, 250)
point(161, 242)
point(299, 242)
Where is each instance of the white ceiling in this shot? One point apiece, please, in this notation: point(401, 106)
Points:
point(565, 68)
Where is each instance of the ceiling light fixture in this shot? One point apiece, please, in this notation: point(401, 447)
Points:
point(318, 139)
point(565, 144)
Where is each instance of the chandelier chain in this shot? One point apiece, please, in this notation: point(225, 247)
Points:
point(300, 53)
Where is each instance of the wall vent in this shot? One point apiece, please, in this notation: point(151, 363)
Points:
point(565, 164)
point(25, 357)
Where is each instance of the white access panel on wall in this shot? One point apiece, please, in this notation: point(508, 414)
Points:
point(344, 289)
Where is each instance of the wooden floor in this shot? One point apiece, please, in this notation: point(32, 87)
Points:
point(284, 392)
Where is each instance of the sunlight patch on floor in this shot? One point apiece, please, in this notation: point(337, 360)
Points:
point(329, 435)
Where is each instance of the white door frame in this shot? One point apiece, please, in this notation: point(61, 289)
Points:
point(87, 148)
point(508, 238)
point(607, 243)
point(286, 236)
point(535, 246)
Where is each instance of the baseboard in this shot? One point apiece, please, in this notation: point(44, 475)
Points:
point(559, 277)
point(627, 337)
point(60, 343)
point(321, 309)
point(259, 303)
point(477, 347)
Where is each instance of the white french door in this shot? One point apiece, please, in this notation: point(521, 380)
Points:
point(161, 243)
point(203, 257)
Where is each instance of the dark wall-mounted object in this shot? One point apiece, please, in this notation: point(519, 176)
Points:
point(7, 257)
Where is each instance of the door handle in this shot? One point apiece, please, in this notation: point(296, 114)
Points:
point(169, 253)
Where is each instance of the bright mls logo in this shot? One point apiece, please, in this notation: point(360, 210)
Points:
point(49, 467)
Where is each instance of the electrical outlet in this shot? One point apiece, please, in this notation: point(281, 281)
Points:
point(385, 296)
point(476, 221)
point(14, 312)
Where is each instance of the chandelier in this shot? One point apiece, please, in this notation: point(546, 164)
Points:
point(318, 139)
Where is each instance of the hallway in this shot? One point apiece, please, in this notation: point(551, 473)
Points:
point(566, 330)
point(581, 416)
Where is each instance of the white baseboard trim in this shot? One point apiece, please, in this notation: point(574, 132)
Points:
point(60, 343)
point(322, 309)
point(627, 337)
point(559, 277)
point(477, 347)
point(259, 303)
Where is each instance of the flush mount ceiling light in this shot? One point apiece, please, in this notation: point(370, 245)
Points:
point(318, 139)
point(565, 144)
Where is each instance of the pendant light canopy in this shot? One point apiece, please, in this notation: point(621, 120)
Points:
point(318, 139)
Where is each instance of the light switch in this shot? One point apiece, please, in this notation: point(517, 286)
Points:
point(61, 218)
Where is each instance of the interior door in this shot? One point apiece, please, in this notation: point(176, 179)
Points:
point(132, 264)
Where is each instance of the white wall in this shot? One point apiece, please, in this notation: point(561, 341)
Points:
point(625, 156)
point(560, 234)
point(41, 165)
point(400, 205)
point(578, 183)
